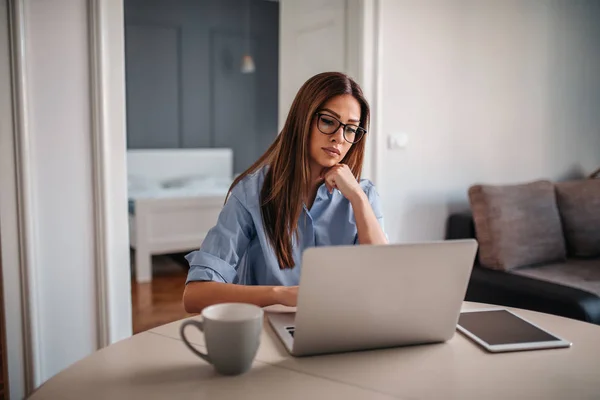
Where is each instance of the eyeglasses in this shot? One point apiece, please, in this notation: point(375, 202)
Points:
point(329, 125)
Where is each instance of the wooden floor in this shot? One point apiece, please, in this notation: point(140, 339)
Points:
point(159, 302)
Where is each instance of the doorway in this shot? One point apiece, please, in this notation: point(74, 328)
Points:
point(213, 82)
point(201, 90)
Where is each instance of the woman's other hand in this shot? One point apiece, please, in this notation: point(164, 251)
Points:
point(286, 295)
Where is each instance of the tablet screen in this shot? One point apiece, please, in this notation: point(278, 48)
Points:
point(501, 327)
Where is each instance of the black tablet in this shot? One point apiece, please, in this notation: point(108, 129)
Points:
point(499, 330)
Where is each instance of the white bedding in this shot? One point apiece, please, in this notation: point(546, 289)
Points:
point(180, 187)
point(176, 173)
point(177, 189)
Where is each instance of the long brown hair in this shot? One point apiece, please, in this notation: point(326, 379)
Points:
point(287, 181)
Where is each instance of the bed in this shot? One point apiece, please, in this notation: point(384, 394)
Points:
point(175, 196)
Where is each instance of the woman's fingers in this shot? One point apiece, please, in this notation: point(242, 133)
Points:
point(330, 183)
point(329, 176)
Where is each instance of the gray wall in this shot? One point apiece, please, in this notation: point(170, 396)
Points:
point(184, 84)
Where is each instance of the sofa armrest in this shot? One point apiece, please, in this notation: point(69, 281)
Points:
point(460, 226)
point(499, 287)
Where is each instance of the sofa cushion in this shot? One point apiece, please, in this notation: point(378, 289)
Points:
point(517, 225)
point(579, 207)
point(575, 273)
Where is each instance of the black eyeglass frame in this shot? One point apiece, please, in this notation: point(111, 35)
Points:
point(340, 123)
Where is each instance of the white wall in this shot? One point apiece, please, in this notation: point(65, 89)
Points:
point(488, 91)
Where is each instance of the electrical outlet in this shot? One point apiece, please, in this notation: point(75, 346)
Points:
point(397, 141)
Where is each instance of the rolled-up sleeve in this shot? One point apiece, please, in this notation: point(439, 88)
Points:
point(224, 245)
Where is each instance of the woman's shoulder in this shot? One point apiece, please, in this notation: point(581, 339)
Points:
point(247, 191)
point(370, 190)
point(366, 185)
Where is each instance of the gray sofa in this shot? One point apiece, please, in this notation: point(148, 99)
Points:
point(539, 246)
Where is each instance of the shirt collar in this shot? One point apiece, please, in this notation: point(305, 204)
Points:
point(322, 192)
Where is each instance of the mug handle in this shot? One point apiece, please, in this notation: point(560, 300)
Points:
point(199, 325)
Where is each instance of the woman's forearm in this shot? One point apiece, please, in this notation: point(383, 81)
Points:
point(369, 230)
point(198, 295)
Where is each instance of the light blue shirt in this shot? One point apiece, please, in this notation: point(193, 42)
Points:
point(237, 249)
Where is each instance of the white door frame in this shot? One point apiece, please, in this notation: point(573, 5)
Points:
point(17, 214)
point(366, 16)
point(15, 307)
point(363, 52)
point(17, 221)
point(109, 148)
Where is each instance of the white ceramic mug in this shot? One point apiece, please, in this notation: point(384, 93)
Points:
point(232, 334)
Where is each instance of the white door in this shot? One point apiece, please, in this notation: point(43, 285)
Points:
point(312, 39)
point(325, 35)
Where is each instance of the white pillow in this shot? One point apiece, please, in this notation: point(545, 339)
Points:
point(140, 183)
point(188, 181)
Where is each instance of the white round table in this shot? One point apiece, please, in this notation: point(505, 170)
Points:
point(157, 365)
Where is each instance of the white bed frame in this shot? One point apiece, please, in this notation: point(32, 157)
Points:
point(171, 225)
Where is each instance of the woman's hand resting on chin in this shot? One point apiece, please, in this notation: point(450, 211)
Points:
point(340, 177)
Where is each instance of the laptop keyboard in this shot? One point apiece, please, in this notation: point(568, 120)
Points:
point(291, 330)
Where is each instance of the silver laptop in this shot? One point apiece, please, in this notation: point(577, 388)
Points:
point(367, 297)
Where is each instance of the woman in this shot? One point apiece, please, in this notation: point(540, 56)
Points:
point(286, 202)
